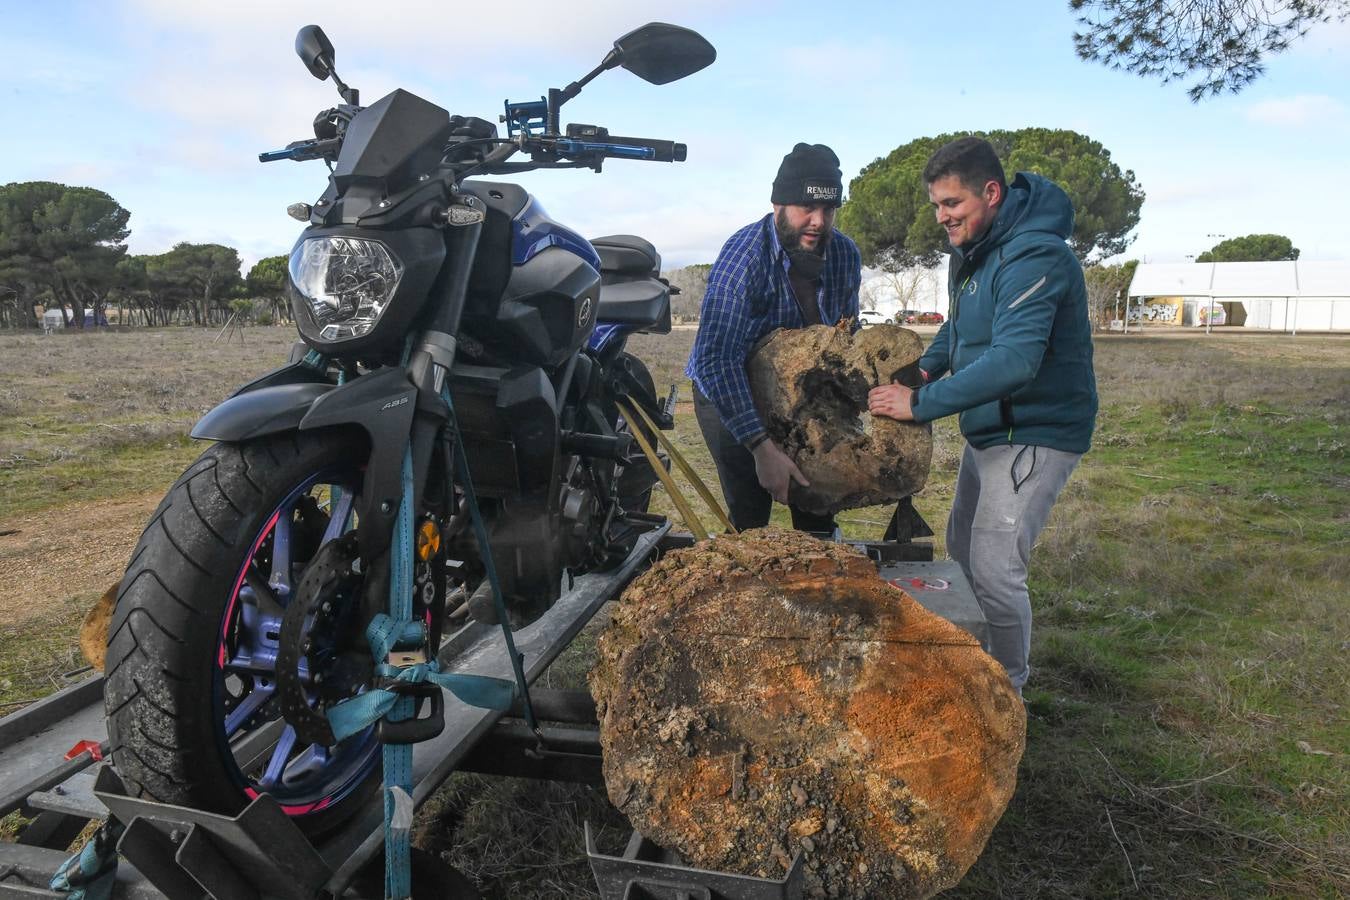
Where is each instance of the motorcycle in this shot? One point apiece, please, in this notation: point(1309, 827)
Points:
point(459, 348)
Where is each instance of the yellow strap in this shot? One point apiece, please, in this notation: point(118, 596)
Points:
point(695, 526)
point(687, 469)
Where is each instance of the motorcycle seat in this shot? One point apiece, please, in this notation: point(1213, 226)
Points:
point(643, 303)
point(627, 254)
point(631, 292)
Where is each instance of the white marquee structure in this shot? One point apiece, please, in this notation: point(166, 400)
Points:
point(1289, 296)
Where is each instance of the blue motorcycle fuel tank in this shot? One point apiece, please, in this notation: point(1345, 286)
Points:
point(535, 285)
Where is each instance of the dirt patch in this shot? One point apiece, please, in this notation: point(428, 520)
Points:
point(46, 558)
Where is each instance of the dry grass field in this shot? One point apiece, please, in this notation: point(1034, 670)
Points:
point(1188, 725)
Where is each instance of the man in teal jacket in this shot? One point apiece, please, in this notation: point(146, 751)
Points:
point(1017, 350)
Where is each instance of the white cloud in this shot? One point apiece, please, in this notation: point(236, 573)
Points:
point(1331, 38)
point(1299, 110)
point(86, 173)
point(1174, 192)
point(457, 35)
point(231, 73)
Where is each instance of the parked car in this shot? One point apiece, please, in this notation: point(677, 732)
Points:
point(872, 317)
point(928, 318)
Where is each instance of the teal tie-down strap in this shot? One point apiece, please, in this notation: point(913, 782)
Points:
point(385, 635)
point(397, 630)
point(89, 874)
point(485, 550)
point(398, 757)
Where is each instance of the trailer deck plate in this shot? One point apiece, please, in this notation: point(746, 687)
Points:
point(940, 587)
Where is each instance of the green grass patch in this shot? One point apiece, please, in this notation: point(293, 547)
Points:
point(91, 416)
point(40, 655)
point(140, 461)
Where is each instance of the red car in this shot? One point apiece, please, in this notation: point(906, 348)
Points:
point(928, 318)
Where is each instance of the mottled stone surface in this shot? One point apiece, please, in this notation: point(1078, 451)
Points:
point(767, 694)
point(810, 386)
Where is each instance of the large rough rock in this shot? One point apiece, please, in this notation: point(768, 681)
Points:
point(767, 694)
point(810, 386)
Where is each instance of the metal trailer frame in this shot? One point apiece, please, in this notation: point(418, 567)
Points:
point(177, 852)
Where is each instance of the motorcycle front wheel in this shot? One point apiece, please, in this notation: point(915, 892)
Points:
point(191, 693)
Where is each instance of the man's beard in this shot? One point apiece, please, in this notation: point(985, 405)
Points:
point(791, 238)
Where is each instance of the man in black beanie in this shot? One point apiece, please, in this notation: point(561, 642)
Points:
point(790, 269)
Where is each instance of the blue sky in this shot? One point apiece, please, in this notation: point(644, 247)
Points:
point(165, 105)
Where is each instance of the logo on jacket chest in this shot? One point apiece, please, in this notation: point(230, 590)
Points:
point(972, 286)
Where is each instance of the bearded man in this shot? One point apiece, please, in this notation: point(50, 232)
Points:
point(790, 269)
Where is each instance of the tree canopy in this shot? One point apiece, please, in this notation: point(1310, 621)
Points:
point(64, 247)
point(1222, 44)
point(890, 218)
point(59, 243)
point(1251, 248)
point(268, 277)
point(266, 284)
point(202, 274)
point(1107, 286)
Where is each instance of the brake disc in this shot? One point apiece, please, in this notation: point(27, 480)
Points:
point(316, 666)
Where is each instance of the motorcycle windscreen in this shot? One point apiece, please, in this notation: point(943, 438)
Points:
point(394, 140)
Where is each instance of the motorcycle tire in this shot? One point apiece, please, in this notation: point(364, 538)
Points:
point(193, 717)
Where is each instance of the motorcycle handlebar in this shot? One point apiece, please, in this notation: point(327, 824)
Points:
point(586, 142)
point(303, 150)
point(663, 151)
point(495, 162)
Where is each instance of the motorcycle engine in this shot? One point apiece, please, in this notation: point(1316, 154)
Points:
point(583, 518)
point(532, 549)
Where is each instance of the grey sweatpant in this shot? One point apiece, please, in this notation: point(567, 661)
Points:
point(1003, 498)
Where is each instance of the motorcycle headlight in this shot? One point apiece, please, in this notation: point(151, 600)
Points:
point(347, 283)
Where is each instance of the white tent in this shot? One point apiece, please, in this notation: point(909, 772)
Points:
point(1283, 296)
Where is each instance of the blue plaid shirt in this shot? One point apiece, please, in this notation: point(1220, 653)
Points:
point(748, 296)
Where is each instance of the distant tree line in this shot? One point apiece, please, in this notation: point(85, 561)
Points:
point(1251, 248)
point(64, 247)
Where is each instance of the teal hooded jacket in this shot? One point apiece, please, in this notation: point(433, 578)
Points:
point(1017, 341)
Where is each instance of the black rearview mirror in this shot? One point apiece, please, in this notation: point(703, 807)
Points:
point(315, 51)
point(661, 53)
